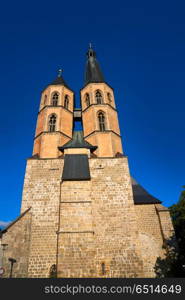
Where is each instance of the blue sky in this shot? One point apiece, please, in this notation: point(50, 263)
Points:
point(140, 46)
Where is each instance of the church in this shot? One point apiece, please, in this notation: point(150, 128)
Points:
point(82, 214)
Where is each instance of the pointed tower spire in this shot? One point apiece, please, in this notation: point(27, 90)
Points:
point(92, 72)
point(59, 79)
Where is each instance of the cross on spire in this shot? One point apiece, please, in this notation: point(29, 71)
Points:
point(92, 72)
point(60, 72)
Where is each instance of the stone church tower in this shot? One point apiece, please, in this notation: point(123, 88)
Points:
point(82, 214)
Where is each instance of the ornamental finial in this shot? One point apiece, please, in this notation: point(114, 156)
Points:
point(59, 72)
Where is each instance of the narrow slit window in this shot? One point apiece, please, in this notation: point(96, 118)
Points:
point(66, 101)
point(45, 99)
point(87, 100)
point(109, 97)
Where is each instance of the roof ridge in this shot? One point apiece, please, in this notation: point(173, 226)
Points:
point(16, 219)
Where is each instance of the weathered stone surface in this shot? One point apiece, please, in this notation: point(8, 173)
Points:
point(17, 240)
point(84, 225)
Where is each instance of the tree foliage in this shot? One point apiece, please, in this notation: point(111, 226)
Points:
point(173, 264)
point(177, 212)
point(166, 266)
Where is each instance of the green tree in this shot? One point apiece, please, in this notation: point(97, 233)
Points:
point(173, 264)
point(177, 212)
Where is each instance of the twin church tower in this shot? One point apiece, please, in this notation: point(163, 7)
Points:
point(82, 214)
point(98, 114)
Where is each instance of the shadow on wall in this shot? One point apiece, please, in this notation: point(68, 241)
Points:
point(53, 271)
point(172, 265)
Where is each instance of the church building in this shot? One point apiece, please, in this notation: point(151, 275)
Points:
point(82, 213)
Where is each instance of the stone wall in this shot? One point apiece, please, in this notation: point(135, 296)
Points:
point(17, 239)
point(87, 228)
point(115, 223)
point(98, 224)
point(155, 227)
point(97, 220)
point(42, 192)
point(165, 222)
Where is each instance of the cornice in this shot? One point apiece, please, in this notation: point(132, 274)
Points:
point(97, 83)
point(98, 131)
point(51, 132)
point(94, 104)
point(52, 106)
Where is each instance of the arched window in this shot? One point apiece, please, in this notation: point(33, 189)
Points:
point(54, 101)
point(52, 123)
point(66, 101)
point(99, 98)
point(87, 100)
point(101, 120)
point(109, 97)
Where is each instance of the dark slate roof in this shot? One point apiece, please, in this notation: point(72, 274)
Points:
point(76, 167)
point(92, 72)
point(141, 196)
point(59, 81)
point(13, 222)
point(78, 142)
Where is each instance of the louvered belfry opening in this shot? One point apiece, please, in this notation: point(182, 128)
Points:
point(76, 167)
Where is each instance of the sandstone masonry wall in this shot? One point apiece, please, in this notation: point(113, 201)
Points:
point(17, 239)
point(98, 225)
point(88, 228)
point(154, 227)
point(42, 192)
